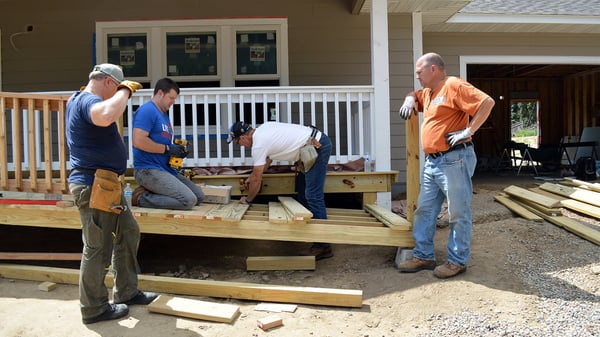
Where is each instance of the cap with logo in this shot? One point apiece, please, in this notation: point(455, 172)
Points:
point(238, 129)
point(109, 69)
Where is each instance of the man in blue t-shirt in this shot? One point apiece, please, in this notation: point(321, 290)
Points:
point(108, 237)
point(160, 185)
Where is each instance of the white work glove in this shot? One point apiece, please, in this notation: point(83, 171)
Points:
point(407, 107)
point(458, 137)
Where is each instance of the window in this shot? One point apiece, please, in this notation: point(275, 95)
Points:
point(130, 51)
point(198, 53)
point(191, 54)
point(256, 53)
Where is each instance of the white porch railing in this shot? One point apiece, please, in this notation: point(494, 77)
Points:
point(203, 117)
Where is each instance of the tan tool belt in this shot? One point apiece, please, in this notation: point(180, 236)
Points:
point(106, 192)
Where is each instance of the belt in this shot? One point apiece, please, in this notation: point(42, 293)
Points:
point(316, 134)
point(455, 147)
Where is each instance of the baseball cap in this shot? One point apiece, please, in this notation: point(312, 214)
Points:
point(238, 129)
point(109, 69)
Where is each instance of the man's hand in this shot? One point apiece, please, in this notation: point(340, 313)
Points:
point(407, 107)
point(458, 137)
point(176, 150)
point(130, 85)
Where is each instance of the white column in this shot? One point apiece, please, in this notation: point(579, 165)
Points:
point(380, 110)
point(417, 37)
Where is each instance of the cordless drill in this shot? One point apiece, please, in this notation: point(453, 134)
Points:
point(177, 163)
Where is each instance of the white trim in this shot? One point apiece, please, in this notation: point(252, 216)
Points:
point(380, 143)
point(522, 59)
point(533, 19)
point(417, 28)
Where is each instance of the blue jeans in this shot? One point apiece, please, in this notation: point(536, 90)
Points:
point(446, 177)
point(310, 186)
point(166, 190)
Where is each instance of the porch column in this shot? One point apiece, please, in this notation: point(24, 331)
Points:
point(380, 78)
point(415, 160)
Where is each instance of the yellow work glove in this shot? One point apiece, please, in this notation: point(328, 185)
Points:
point(130, 85)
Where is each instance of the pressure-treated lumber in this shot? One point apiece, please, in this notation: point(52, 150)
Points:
point(592, 186)
point(571, 225)
point(295, 208)
point(581, 207)
point(40, 256)
point(549, 211)
point(280, 263)
point(389, 218)
point(278, 213)
point(231, 212)
point(179, 286)
point(590, 197)
point(185, 307)
point(157, 222)
point(517, 208)
point(529, 195)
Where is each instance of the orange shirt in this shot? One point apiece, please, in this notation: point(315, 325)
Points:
point(446, 109)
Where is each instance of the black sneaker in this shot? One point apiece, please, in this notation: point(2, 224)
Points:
point(142, 297)
point(113, 311)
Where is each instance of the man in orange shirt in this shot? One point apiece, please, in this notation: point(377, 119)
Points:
point(453, 110)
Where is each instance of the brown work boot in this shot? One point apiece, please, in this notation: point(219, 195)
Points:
point(319, 252)
point(448, 269)
point(415, 264)
point(135, 196)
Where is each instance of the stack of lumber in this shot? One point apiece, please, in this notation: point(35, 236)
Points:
point(547, 202)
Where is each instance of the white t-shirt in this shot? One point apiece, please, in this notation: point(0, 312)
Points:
point(278, 141)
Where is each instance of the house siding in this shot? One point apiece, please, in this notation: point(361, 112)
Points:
point(327, 44)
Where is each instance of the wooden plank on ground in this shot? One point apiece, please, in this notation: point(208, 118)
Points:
point(179, 286)
point(280, 263)
point(296, 209)
point(389, 218)
point(529, 195)
point(591, 186)
point(231, 212)
point(40, 256)
point(517, 208)
point(278, 213)
point(185, 307)
point(548, 194)
point(571, 225)
point(554, 211)
point(581, 207)
point(590, 197)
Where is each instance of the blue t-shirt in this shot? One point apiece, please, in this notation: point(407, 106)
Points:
point(150, 119)
point(91, 147)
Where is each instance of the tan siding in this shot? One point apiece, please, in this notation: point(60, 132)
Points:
point(327, 44)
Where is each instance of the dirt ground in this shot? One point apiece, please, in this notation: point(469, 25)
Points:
point(496, 283)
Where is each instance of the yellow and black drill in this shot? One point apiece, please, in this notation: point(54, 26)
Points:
point(177, 163)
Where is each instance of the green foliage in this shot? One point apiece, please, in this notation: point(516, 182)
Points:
point(526, 133)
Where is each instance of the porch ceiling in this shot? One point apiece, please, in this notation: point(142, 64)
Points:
point(498, 16)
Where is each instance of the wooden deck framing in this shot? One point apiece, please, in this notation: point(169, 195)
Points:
point(233, 220)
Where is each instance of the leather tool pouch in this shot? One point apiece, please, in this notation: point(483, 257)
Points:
point(106, 192)
point(308, 155)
